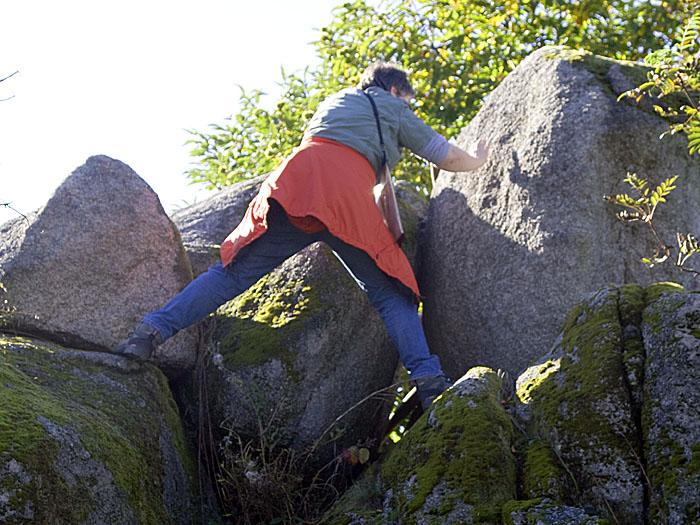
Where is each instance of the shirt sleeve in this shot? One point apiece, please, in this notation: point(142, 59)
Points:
point(416, 135)
point(435, 150)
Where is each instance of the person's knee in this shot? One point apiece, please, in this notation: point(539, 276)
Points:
point(391, 304)
point(384, 298)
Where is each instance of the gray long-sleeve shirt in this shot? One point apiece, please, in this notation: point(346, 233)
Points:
point(347, 117)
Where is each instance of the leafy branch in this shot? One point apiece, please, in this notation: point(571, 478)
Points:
point(7, 205)
point(676, 72)
point(676, 76)
point(643, 208)
point(2, 80)
point(456, 51)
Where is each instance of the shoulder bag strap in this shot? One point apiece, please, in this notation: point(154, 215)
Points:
point(384, 190)
point(379, 127)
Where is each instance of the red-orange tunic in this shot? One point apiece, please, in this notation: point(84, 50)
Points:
point(329, 182)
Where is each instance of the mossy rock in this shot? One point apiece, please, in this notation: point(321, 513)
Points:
point(582, 405)
point(546, 512)
point(543, 476)
point(89, 438)
point(670, 422)
point(361, 504)
point(297, 354)
point(453, 466)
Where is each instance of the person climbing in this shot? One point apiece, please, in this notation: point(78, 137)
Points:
point(324, 192)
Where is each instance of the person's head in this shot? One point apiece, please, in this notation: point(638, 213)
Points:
point(387, 76)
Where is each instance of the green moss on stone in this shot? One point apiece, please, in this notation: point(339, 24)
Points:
point(656, 290)
point(409, 221)
point(543, 475)
point(110, 410)
point(536, 511)
point(362, 501)
point(254, 327)
point(517, 506)
point(591, 361)
point(663, 471)
point(182, 268)
point(463, 441)
point(669, 468)
point(582, 405)
point(544, 370)
point(630, 306)
point(694, 465)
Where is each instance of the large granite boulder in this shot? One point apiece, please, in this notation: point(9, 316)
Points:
point(89, 437)
point(512, 246)
point(670, 413)
point(296, 355)
point(204, 225)
point(604, 428)
point(86, 267)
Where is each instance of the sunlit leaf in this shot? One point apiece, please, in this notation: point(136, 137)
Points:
point(363, 456)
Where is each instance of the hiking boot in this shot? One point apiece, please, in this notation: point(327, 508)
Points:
point(141, 343)
point(429, 389)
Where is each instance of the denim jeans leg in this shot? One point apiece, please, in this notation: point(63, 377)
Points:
point(219, 285)
point(197, 300)
point(395, 306)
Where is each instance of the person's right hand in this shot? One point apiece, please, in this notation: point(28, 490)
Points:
point(481, 152)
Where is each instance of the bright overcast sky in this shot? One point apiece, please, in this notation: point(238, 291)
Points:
point(126, 78)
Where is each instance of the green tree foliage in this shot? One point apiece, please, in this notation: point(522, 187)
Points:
point(676, 76)
point(456, 50)
point(674, 83)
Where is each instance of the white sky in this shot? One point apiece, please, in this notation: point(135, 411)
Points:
point(126, 78)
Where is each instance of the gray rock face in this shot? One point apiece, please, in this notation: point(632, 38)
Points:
point(548, 513)
point(440, 460)
point(204, 225)
point(296, 351)
point(512, 246)
point(413, 208)
point(611, 411)
point(98, 256)
point(582, 408)
point(671, 424)
point(606, 429)
point(88, 437)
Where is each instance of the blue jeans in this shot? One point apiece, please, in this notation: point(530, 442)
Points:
point(219, 285)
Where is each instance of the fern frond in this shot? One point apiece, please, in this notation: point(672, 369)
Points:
point(690, 33)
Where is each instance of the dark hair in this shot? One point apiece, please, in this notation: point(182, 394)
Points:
point(386, 76)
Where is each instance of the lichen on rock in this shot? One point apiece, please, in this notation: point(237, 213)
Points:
point(89, 438)
point(546, 512)
point(582, 406)
point(283, 347)
point(670, 422)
